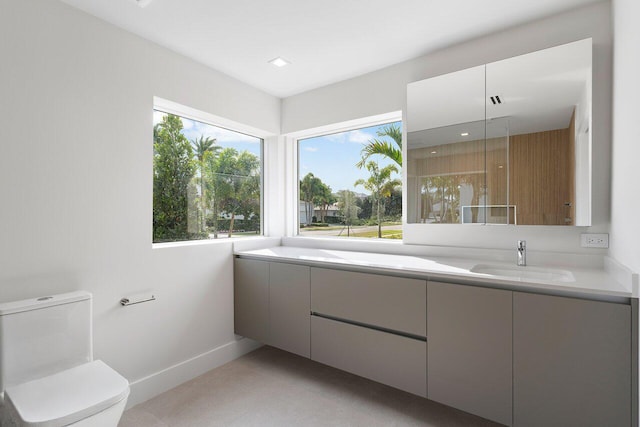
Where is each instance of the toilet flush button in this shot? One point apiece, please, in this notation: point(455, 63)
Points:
point(44, 298)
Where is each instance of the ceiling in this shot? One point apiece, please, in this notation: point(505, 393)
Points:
point(325, 41)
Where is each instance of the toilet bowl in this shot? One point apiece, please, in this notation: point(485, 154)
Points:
point(48, 377)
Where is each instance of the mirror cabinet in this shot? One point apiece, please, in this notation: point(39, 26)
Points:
point(503, 143)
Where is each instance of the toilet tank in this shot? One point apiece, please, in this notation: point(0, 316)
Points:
point(45, 335)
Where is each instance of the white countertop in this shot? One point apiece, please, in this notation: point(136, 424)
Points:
point(589, 283)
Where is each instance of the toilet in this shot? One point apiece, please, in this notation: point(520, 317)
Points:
point(48, 377)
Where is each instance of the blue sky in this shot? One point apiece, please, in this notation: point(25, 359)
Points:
point(224, 138)
point(333, 158)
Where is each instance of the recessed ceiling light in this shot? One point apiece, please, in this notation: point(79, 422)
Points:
point(279, 62)
point(142, 3)
point(464, 134)
point(434, 152)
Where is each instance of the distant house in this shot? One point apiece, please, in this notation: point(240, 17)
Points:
point(303, 208)
point(332, 211)
point(316, 211)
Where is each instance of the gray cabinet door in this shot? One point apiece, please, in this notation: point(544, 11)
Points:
point(469, 332)
point(389, 302)
point(387, 358)
point(251, 299)
point(289, 308)
point(572, 362)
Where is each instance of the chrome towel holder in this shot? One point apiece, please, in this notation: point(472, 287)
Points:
point(131, 301)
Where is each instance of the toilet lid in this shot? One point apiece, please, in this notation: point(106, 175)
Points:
point(68, 396)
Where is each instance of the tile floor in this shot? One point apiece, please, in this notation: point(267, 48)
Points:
point(270, 387)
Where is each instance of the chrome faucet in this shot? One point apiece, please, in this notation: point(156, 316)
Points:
point(522, 253)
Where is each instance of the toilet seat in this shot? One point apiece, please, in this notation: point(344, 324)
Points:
point(68, 396)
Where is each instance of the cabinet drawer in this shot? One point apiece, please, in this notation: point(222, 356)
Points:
point(380, 356)
point(388, 302)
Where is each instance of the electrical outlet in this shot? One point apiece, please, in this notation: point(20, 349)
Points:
point(590, 240)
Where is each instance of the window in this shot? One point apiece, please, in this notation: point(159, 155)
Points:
point(350, 183)
point(206, 180)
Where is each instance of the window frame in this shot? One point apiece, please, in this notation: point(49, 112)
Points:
point(174, 108)
point(293, 228)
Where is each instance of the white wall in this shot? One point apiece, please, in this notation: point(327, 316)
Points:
point(76, 98)
point(625, 198)
point(385, 90)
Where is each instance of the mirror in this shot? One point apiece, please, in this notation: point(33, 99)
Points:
point(503, 143)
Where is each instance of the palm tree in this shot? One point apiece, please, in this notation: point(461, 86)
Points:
point(310, 187)
point(324, 198)
point(380, 185)
point(384, 147)
point(200, 147)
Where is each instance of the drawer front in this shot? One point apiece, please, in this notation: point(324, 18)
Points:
point(394, 360)
point(394, 303)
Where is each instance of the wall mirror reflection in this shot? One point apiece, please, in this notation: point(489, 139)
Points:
point(503, 143)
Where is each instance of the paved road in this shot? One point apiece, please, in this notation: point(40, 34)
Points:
point(358, 229)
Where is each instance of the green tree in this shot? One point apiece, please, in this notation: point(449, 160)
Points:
point(444, 191)
point(247, 188)
point(393, 204)
point(391, 150)
point(323, 199)
point(347, 206)
point(232, 181)
point(380, 184)
point(201, 146)
point(173, 169)
point(310, 187)
point(365, 206)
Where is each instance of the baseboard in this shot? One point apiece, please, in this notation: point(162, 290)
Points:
point(161, 381)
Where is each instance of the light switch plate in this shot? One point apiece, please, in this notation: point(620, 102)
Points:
point(592, 240)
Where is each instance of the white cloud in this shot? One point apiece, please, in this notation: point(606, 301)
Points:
point(359, 137)
point(157, 116)
point(336, 137)
point(188, 124)
point(312, 149)
point(219, 134)
point(356, 136)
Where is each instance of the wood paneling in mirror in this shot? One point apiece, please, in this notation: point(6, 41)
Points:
point(541, 168)
point(541, 177)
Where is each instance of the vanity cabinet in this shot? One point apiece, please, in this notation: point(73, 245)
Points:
point(381, 356)
point(571, 362)
point(251, 299)
point(518, 358)
point(371, 325)
point(289, 321)
point(469, 331)
point(271, 304)
point(393, 303)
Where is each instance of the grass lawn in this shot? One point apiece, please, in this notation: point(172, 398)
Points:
point(386, 234)
point(332, 227)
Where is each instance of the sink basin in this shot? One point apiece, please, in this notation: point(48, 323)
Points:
point(524, 273)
